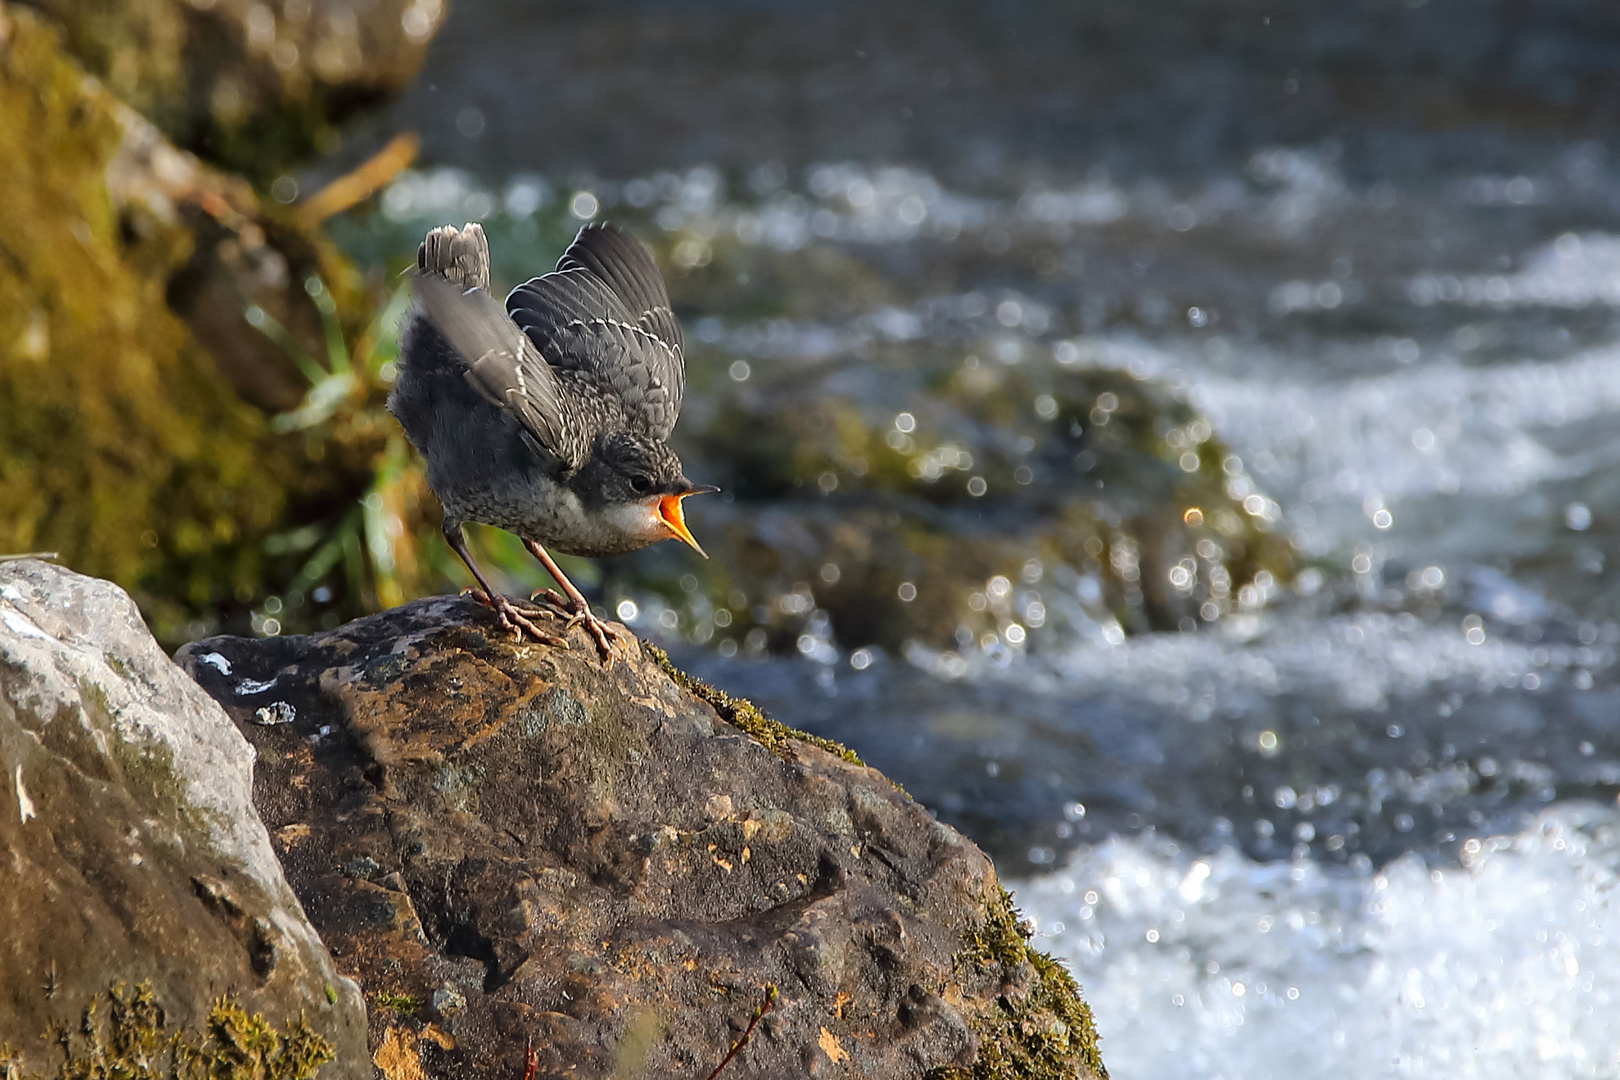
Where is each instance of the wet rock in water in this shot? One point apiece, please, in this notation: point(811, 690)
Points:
point(507, 843)
point(1001, 499)
point(127, 829)
point(254, 87)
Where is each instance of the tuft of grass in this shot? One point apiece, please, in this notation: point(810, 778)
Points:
point(1045, 1034)
point(130, 1040)
point(745, 715)
point(404, 1004)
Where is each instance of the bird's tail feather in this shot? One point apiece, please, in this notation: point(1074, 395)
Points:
point(461, 255)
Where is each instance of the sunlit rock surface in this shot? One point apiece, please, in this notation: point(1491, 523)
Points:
point(252, 86)
point(507, 843)
point(131, 848)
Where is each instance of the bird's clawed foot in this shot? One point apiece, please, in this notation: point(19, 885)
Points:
point(578, 613)
point(515, 620)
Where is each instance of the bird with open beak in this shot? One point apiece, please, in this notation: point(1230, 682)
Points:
point(547, 416)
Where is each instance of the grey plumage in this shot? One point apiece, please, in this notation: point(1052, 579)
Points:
point(548, 416)
point(502, 364)
point(604, 316)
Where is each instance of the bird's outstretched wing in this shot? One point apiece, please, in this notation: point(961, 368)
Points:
point(502, 364)
point(603, 317)
point(625, 265)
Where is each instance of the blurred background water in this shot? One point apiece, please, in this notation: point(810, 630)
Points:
point(1356, 817)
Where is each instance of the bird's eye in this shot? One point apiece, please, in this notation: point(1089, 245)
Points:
point(641, 484)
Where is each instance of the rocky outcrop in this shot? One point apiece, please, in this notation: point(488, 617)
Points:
point(509, 844)
point(129, 373)
point(131, 848)
point(250, 85)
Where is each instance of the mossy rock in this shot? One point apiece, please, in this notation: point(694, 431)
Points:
point(123, 448)
point(999, 495)
point(127, 448)
point(253, 87)
point(511, 845)
point(1038, 1027)
point(125, 1035)
point(134, 854)
point(745, 716)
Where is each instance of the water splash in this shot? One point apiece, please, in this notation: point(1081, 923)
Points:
point(1217, 966)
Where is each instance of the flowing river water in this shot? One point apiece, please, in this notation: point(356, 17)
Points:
point(1363, 824)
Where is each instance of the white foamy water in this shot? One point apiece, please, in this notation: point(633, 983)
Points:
point(1440, 427)
point(1572, 272)
point(1221, 967)
point(1362, 661)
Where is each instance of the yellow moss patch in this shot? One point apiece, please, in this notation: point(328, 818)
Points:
point(122, 447)
point(130, 1041)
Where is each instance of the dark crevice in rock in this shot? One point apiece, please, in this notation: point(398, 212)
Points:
point(464, 940)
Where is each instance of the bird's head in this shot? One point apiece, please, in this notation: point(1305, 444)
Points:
point(638, 483)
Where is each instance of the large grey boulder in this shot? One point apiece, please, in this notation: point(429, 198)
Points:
point(129, 846)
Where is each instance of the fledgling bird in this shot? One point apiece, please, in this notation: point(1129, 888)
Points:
point(548, 417)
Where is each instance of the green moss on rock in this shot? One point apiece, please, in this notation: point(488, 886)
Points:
point(1039, 1028)
point(256, 88)
point(745, 715)
point(403, 1004)
point(126, 356)
point(1102, 497)
point(123, 449)
point(129, 1039)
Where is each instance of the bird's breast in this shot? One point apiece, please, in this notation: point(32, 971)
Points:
point(554, 516)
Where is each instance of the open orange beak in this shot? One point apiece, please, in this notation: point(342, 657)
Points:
point(669, 509)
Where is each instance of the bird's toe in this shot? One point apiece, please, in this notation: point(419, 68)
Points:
point(551, 598)
point(521, 624)
point(608, 637)
point(516, 621)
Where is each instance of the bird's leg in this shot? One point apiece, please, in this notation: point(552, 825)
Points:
point(511, 618)
point(576, 607)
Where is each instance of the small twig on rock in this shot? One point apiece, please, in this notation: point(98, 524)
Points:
point(531, 1060)
point(742, 1040)
point(48, 556)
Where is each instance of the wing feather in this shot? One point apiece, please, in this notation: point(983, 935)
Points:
point(603, 316)
point(625, 265)
point(502, 364)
